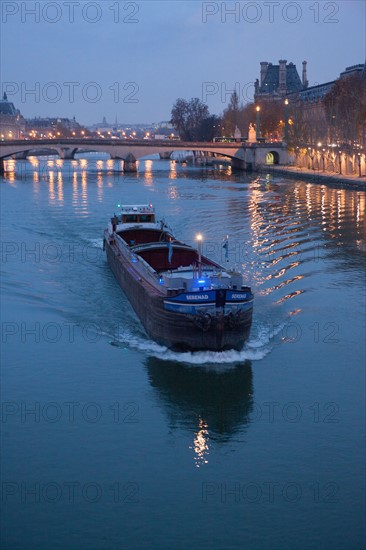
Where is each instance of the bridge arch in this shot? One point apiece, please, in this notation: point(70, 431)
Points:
point(29, 152)
point(272, 157)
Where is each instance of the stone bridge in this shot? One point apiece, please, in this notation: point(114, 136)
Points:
point(244, 156)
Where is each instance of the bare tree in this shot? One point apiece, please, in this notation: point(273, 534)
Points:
point(345, 108)
point(191, 119)
point(231, 115)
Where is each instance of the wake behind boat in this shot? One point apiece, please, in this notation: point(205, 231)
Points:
point(184, 300)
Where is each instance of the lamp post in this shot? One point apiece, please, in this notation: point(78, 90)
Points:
point(359, 165)
point(318, 155)
point(309, 153)
point(286, 120)
point(199, 239)
point(340, 162)
point(332, 128)
point(258, 124)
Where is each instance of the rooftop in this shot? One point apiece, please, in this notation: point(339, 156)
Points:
point(136, 208)
point(6, 107)
point(271, 80)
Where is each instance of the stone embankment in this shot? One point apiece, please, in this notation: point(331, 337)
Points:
point(316, 176)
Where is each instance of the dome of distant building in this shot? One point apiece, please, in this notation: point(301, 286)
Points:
point(12, 123)
point(6, 107)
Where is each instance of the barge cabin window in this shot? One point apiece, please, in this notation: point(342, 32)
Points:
point(138, 218)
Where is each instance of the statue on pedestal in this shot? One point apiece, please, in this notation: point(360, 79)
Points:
point(237, 133)
point(251, 134)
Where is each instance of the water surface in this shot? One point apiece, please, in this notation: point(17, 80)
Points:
point(112, 441)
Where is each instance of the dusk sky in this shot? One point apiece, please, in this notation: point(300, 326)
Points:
point(132, 60)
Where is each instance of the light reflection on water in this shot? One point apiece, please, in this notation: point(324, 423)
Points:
point(279, 221)
point(52, 196)
point(200, 444)
point(210, 404)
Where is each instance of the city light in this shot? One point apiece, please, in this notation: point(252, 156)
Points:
point(258, 123)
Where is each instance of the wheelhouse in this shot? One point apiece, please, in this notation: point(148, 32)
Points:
point(137, 214)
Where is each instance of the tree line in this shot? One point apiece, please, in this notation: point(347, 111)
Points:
point(340, 117)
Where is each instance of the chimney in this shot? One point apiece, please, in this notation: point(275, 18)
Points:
point(282, 76)
point(264, 69)
point(305, 82)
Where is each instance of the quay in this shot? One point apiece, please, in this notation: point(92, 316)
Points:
point(315, 176)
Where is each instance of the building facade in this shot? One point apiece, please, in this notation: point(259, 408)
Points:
point(317, 93)
point(49, 127)
point(278, 81)
point(12, 123)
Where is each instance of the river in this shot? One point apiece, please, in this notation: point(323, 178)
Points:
point(112, 441)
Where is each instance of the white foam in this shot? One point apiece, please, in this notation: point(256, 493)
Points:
point(219, 357)
point(96, 243)
point(253, 351)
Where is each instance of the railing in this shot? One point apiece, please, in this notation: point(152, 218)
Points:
point(235, 140)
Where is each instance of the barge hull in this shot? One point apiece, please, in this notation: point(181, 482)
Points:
point(174, 330)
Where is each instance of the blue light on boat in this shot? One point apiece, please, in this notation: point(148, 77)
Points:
point(161, 281)
point(201, 281)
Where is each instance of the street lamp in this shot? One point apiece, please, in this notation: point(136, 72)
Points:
point(286, 120)
point(258, 125)
point(332, 126)
point(199, 239)
point(311, 155)
point(359, 164)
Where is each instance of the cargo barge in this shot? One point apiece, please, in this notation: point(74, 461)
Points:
point(184, 300)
